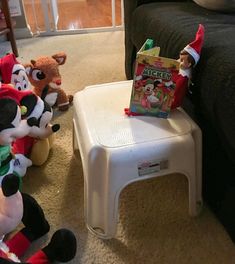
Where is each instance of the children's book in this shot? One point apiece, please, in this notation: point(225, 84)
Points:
point(153, 83)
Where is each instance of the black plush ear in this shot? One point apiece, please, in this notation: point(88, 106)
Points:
point(10, 184)
point(8, 109)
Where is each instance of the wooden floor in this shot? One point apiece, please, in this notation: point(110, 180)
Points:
point(74, 14)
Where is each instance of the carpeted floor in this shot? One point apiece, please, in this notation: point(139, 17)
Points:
point(154, 225)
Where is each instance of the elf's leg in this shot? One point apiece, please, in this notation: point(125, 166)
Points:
point(62, 248)
point(180, 91)
point(35, 224)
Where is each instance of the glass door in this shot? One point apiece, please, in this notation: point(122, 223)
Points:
point(49, 17)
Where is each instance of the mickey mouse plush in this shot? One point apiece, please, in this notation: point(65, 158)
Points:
point(37, 145)
point(12, 71)
point(11, 128)
point(39, 141)
point(16, 207)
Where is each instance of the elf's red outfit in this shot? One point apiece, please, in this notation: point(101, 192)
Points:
point(184, 76)
point(181, 87)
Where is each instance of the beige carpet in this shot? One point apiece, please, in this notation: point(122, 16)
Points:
point(154, 225)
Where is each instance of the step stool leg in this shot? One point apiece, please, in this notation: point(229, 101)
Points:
point(197, 137)
point(101, 196)
point(193, 173)
point(75, 137)
point(101, 211)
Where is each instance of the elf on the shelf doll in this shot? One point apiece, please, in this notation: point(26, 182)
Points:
point(189, 57)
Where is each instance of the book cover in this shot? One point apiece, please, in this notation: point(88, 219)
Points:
point(153, 83)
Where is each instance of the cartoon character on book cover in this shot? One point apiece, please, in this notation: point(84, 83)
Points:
point(153, 85)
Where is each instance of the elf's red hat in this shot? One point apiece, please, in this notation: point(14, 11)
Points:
point(194, 48)
point(6, 65)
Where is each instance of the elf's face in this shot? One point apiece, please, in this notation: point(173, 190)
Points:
point(184, 62)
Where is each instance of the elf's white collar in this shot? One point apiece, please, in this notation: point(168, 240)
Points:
point(186, 72)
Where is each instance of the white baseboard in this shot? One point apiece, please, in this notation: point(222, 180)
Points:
point(21, 33)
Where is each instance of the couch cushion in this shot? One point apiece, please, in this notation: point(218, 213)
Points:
point(218, 5)
point(173, 26)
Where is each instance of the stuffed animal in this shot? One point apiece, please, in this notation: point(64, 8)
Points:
point(37, 145)
point(16, 207)
point(189, 57)
point(39, 141)
point(11, 128)
point(13, 72)
point(44, 75)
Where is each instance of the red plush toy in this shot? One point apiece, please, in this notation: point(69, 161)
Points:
point(189, 57)
point(13, 72)
point(16, 207)
point(38, 143)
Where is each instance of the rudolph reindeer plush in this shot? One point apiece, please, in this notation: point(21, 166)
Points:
point(16, 207)
point(44, 75)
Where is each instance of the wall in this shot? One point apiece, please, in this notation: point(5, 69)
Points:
point(22, 30)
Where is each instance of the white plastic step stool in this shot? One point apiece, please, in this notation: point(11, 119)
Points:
point(117, 150)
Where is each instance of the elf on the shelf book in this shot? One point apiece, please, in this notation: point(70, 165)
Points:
point(153, 83)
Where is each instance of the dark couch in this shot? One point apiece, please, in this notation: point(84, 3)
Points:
point(211, 100)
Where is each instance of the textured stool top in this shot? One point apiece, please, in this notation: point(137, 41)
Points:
point(103, 108)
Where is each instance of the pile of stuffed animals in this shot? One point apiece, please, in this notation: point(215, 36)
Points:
point(28, 95)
